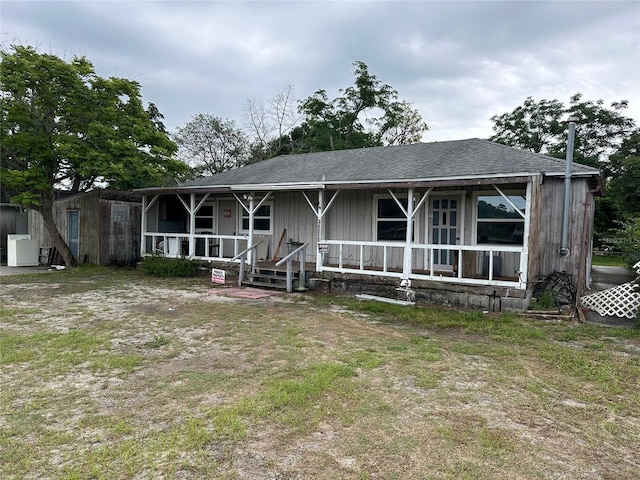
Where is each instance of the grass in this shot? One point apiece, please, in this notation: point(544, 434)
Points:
point(608, 261)
point(108, 374)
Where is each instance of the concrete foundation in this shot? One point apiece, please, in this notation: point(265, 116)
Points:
point(493, 299)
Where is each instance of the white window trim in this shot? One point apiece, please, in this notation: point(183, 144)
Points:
point(495, 193)
point(242, 211)
point(417, 234)
point(214, 216)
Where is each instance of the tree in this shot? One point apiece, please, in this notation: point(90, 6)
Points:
point(623, 187)
point(212, 145)
point(541, 127)
point(600, 131)
point(534, 126)
point(350, 121)
point(271, 124)
point(605, 139)
point(64, 127)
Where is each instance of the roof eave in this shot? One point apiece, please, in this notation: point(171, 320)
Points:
point(518, 177)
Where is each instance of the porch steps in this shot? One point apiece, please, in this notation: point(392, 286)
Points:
point(270, 278)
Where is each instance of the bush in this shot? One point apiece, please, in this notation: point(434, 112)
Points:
point(159, 266)
point(626, 240)
point(545, 301)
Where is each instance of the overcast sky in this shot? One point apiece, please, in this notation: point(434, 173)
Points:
point(458, 63)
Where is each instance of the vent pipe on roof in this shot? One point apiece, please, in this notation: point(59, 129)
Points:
point(564, 242)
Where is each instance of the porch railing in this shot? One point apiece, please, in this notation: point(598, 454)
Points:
point(289, 259)
point(242, 258)
point(206, 246)
point(375, 258)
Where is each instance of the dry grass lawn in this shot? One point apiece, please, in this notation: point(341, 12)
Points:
point(107, 374)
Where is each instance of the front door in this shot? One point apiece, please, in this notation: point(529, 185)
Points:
point(444, 231)
point(227, 225)
point(73, 231)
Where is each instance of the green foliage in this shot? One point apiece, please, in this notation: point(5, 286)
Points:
point(623, 188)
point(212, 145)
point(540, 126)
point(545, 301)
point(626, 240)
point(63, 123)
point(605, 139)
point(64, 127)
point(350, 121)
point(340, 123)
point(532, 126)
point(159, 266)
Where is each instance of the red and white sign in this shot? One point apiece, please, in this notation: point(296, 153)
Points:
point(218, 276)
point(227, 213)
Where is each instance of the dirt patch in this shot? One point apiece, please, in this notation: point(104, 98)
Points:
point(138, 379)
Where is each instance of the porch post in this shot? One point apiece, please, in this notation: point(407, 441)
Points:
point(406, 266)
point(250, 241)
point(524, 256)
point(143, 243)
point(320, 231)
point(192, 225)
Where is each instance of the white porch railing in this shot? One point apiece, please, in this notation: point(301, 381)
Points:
point(375, 258)
point(205, 246)
point(360, 257)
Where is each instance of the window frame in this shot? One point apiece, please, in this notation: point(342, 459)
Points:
point(520, 219)
point(377, 219)
point(243, 212)
point(202, 217)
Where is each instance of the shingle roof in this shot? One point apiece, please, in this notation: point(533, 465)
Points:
point(457, 159)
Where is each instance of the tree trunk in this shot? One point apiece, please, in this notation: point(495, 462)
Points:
point(46, 211)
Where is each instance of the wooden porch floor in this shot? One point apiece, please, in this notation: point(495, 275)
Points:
point(270, 265)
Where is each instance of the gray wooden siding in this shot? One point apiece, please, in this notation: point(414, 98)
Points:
point(580, 228)
point(535, 229)
point(103, 240)
point(291, 211)
point(351, 217)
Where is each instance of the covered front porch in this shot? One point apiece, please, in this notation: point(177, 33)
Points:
point(466, 234)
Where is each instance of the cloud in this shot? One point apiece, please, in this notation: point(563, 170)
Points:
point(459, 63)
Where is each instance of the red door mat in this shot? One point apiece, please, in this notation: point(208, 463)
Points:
point(243, 292)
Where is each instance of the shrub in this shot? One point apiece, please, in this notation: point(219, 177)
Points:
point(626, 240)
point(545, 301)
point(159, 266)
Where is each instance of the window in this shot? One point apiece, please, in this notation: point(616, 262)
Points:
point(391, 222)
point(498, 221)
point(171, 210)
point(204, 218)
point(261, 219)
point(172, 216)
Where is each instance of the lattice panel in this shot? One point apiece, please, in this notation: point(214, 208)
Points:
point(620, 301)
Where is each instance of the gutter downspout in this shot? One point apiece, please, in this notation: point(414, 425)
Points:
point(564, 243)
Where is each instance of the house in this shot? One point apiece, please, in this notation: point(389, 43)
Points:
point(100, 227)
point(462, 221)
